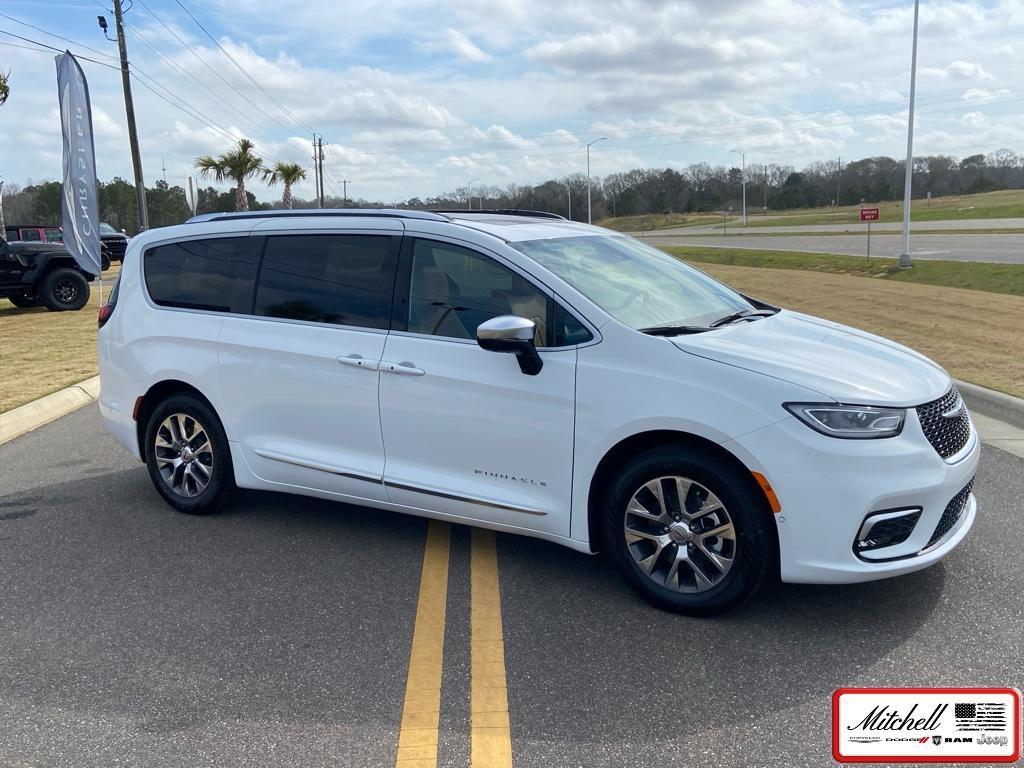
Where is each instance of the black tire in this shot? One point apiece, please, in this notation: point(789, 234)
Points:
point(104, 262)
point(754, 550)
point(23, 300)
point(64, 289)
point(221, 483)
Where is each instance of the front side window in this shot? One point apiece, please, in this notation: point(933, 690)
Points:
point(452, 290)
point(54, 236)
point(214, 275)
point(636, 284)
point(337, 279)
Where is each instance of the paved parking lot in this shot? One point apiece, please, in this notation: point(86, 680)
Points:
point(279, 634)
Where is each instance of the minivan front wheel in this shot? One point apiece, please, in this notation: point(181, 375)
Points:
point(187, 456)
point(689, 531)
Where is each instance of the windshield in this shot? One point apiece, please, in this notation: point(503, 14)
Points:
point(636, 284)
point(106, 229)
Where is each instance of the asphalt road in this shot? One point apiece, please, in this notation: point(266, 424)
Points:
point(876, 227)
point(1004, 249)
point(278, 634)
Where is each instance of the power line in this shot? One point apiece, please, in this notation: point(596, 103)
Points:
point(58, 50)
point(210, 67)
point(196, 82)
point(243, 71)
point(59, 37)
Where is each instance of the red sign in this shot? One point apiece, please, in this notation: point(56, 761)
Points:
point(869, 214)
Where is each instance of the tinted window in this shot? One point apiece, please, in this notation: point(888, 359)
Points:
point(452, 290)
point(212, 274)
point(30, 235)
point(54, 236)
point(341, 279)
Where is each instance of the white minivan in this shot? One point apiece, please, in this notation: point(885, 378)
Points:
point(517, 371)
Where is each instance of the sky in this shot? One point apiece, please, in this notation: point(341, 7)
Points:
point(417, 98)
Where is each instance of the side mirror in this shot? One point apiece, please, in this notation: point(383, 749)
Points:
point(512, 334)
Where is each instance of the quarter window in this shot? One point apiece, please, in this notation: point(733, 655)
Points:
point(339, 279)
point(215, 274)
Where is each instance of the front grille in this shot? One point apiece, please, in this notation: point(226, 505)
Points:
point(947, 434)
point(951, 514)
point(116, 247)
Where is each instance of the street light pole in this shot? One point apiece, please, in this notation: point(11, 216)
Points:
point(743, 175)
point(589, 221)
point(904, 260)
point(469, 192)
point(568, 195)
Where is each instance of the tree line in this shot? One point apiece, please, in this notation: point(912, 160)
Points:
point(696, 188)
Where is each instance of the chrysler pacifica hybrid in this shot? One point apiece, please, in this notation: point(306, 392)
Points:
point(532, 375)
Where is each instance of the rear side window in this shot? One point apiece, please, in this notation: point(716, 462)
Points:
point(215, 274)
point(337, 279)
point(54, 236)
point(30, 235)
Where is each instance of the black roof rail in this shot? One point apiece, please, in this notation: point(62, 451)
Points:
point(499, 211)
point(285, 213)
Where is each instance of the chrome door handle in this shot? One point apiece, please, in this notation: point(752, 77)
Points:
point(358, 361)
point(405, 368)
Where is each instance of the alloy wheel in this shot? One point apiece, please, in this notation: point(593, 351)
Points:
point(679, 534)
point(66, 291)
point(184, 454)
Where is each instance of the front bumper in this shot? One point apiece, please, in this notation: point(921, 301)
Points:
point(827, 487)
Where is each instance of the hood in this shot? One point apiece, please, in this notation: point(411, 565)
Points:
point(845, 364)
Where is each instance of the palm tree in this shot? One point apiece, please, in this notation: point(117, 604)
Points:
point(239, 164)
point(288, 174)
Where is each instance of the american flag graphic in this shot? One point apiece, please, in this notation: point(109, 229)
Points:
point(980, 717)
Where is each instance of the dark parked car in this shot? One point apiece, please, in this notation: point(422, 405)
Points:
point(34, 273)
point(114, 242)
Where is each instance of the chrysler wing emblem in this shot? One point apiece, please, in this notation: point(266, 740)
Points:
point(956, 410)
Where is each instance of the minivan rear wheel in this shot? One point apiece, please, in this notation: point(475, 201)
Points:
point(187, 456)
point(688, 531)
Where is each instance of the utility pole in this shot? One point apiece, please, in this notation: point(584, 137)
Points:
point(469, 192)
point(904, 260)
point(568, 194)
point(344, 187)
point(163, 167)
point(588, 176)
point(129, 109)
point(316, 173)
point(765, 186)
point(320, 171)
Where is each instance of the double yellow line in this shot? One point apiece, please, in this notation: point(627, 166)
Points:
point(490, 741)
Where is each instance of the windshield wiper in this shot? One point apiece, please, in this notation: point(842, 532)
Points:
point(673, 330)
point(742, 315)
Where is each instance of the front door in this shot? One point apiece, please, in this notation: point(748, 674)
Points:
point(465, 431)
point(300, 374)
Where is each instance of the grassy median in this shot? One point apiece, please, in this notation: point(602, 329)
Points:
point(42, 351)
point(978, 335)
point(979, 276)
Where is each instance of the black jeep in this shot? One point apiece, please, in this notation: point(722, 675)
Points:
point(34, 273)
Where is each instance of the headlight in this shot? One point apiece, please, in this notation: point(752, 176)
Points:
point(857, 422)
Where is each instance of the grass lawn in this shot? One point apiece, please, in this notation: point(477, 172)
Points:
point(978, 335)
point(659, 221)
point(995, 278)
point(1005, 204)
point(42, 351)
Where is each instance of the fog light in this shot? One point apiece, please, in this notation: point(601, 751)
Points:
point(886, 529)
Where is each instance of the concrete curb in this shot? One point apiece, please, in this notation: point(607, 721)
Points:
point(995, 405)
point(25, 418)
